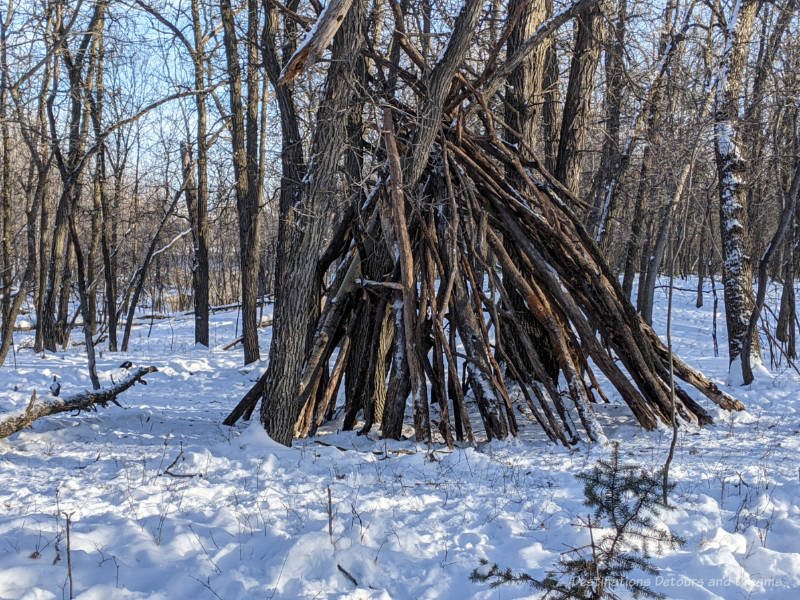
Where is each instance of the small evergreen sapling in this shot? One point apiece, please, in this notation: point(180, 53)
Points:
point(622, 538)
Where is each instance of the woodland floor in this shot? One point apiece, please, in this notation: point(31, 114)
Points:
point(407, 522)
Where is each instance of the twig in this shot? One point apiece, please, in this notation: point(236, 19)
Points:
point(267, 323)
point(69, 553)
point(321, 443)
point(392, 285)
point(169, 472)
point(330, 519)
point(233, 343)
point(346, 574)
point(203, 548)
point(207, 584)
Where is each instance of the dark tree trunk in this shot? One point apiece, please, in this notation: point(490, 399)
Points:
point(84, 304)
point(6, 259)
point(198, 214)
point(292, 161)
point(610, 154)
point(574, 119)
point(281, 407)
point(550, 107)
point(12, 305)
point(70, 167)
point(244, 132)
point(199, 285)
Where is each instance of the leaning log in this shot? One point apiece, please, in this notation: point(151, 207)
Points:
point(315, 42)
point(448, 222)
point(13, 422)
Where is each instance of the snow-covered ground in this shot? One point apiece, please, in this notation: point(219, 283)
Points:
point(405, 522)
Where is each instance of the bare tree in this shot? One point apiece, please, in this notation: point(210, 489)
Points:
point(732, 174)
point(244, 131)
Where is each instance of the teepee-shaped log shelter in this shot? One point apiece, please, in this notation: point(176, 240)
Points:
point(449, 242)
point(422, 268)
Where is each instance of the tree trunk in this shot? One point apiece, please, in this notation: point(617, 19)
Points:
point(292, 161)
point(783, 226)
point(574, 119)
point(610, 154)
point(84, 304)
point(140, 276)
point(70, 167)
point(199, 284)
point(198, 214)
point(665, 221)
point(6, 259)
point(281, 407)
point(550, 106)
point(244, 133)
point(732, 176)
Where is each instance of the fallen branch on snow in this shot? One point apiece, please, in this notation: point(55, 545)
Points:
point(13, 422)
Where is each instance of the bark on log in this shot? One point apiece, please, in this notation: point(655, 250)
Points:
point(454, 214)
point(38, 408)
point(407, 270)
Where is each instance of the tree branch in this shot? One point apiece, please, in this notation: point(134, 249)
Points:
point(11, 423)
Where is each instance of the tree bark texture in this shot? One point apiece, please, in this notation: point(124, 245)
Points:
point(244, 133)
point(732, 176)
point(281, 405)
point(574, 124)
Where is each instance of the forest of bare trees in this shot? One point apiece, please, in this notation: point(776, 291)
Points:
point(443, 200)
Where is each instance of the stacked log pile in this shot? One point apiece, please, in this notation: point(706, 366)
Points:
point(427, 267)
point(419, 279)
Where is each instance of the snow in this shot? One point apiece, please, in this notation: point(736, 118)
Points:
point(726, 140)
point(252, 520)
point(732, 224)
